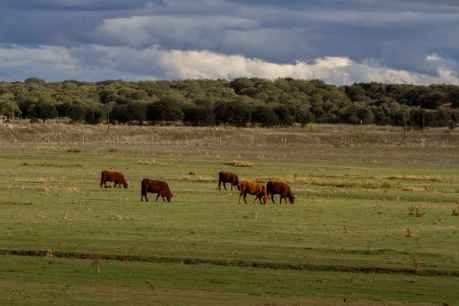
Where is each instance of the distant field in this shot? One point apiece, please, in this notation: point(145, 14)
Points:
point(374, 222)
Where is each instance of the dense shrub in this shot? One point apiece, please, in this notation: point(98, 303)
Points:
point(9, 107)
point(165, 110)
point(235, 113)
point(265, 116)
point(42, 109)
point(241, 102)
point(198, 115)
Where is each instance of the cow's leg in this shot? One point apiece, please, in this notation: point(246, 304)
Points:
point(245, 197)
point(272, 198)
point(259, 199)
point(224, 185)
point(240, 195)
point(157, 196)
point(219, 184)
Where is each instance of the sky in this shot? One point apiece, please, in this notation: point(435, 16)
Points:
point(337, 41)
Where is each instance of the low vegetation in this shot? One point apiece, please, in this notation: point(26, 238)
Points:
point(241, 102)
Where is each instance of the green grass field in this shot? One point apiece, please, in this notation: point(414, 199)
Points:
point(371, 226)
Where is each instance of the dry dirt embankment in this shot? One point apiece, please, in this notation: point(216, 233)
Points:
point(312, 141)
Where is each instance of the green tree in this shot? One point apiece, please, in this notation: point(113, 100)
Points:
point(453, 96)
point(235, 112)
point(285, 114)
point(9, 107)
point(199, 114)
point(264, 115)
point(165, 110)
point(42, 109)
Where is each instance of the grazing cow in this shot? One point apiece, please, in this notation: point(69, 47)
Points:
point(112, 176)
point(159, 187)
point(282, 189)
point(257, 189)
point(227, 177)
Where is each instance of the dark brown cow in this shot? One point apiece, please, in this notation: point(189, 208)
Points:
point(282, 189)
point(257, 189)
point(227, 177)
point(159, 187)
point(112, 176)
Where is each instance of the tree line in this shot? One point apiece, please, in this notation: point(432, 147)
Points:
point(240, 102)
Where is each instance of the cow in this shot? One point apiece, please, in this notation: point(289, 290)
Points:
point(257, 189)
point(153, 186)
point(282, 189)
point(112, 176)
point(227, 177)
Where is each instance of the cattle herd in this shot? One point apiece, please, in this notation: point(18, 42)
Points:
point(161, 188)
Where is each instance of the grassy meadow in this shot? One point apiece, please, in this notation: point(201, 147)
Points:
point(375, 220)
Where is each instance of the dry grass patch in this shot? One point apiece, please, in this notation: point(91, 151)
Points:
point(455, 211)
point(146, 162)
point(51, 165)
point(152, 162)
point(241, 163)
point(422, 178)
point(408, 233)
point(72, 189)
point(196, 178)
point(418, 189)
point(415, 211)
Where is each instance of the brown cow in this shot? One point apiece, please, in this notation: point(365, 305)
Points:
point(159, 187)
point(112, 176)
point(257, 189)
point(227, 177)
point(282, 189)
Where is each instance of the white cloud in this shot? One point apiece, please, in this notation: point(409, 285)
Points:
point(47, 57)
point(336, 70)
point(95, 62)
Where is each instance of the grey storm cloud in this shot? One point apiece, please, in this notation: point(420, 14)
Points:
point(71, 5)
point(109, 38)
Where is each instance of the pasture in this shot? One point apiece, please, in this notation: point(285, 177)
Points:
point(374, 221)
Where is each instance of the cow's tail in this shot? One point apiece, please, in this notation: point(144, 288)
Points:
point(269, 187)
point(290, 196)
point(169, 194)
point(220, 176)
point(102, 178)
point(143, 190)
